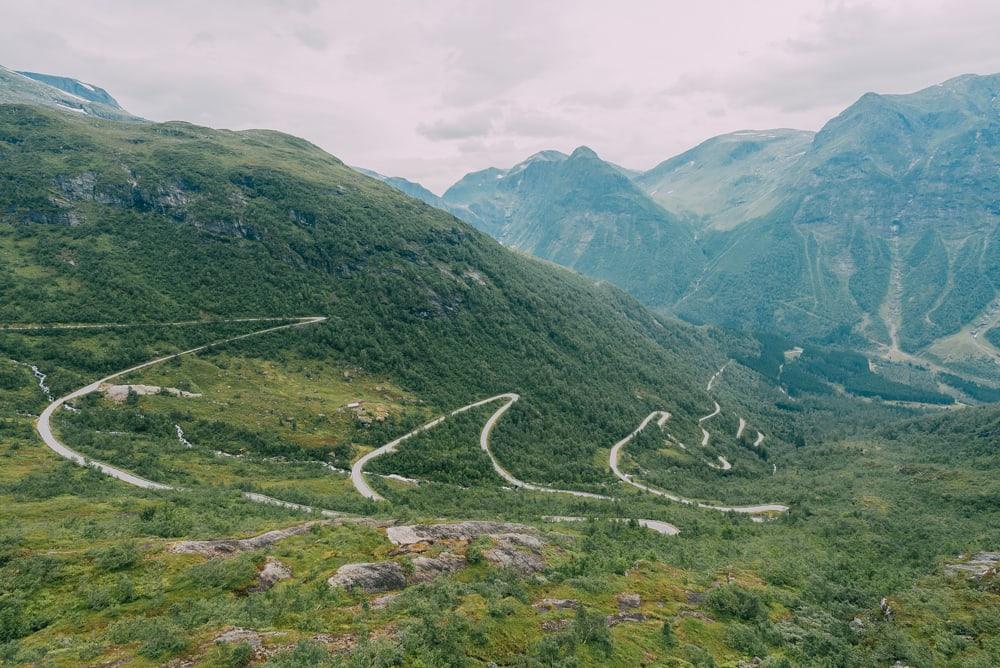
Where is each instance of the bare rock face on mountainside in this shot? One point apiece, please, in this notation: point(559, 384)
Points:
point(370, 577)
point(224, 547)
point(512, 546)
point(521, 552)
point(415, 533)
point(978, 566)
point(273, 572)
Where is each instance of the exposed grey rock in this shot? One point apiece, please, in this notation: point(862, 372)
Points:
point(426, 569)
point(238, 635)
point(370, 577)
point(556, 604)
point(621, 617)
point(273, 572)
point(551, 625)
point(119, 393)
point(417, 533)
point(517, 551)
point(230, 546)
point(694, 597)
point(886, 608)
point(78, 187)
point(979, 566)
point(629, 601)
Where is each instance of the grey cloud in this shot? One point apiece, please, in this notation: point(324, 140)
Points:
point(537, 124)
point(494, 47)
point(202, 38)
point(476, 124)
point(312, 37)
point(431, 90)
point(614, 98)
point(853, 49)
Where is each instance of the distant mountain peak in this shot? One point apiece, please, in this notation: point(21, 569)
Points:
point(75, 87)
point(583, 152)
point(61, 93)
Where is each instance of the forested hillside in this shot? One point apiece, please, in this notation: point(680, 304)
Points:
point(106, 222)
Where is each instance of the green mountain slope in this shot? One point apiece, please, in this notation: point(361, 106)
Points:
point(879, 232)
point(727, 180)
point(119, 222)
point(583, 213)
point(417, 191)
point(888, 225)
point(103, 221)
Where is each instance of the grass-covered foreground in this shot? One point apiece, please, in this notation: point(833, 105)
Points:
point(89, 579)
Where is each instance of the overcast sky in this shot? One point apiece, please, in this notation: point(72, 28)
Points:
point(432, 90)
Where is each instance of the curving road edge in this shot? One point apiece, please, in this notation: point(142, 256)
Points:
point(661, 417)
point(510, 398)
point(43, 425)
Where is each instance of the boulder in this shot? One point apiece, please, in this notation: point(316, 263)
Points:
point(621, 617)
point(370, 577)
point(628, 601)
point(273, 572)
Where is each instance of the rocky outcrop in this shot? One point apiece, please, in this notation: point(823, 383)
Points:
point(389, 575)
point(553, 625)
point(273, 572)
point(119, 393)
point(426, 569)
point(229, 546)
point(622, 617)
point(370, 577)
point(977, 567)
point(521, 552)
point(237, 635)
point(629, 601)
point(510, 549)
point(547, 604)
point(429, 533)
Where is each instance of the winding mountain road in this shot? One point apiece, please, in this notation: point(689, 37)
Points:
point(510, 398)
point(715, 377)
point(615, 455)
point(43, 425)
point(704, 432)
